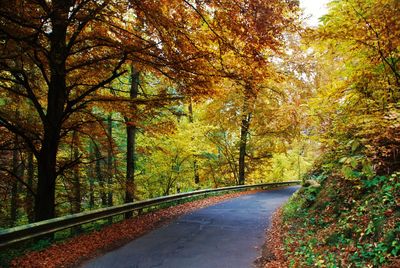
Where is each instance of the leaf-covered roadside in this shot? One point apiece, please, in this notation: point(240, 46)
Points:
point(78, 249)
point(344, 224)
point(273, 251)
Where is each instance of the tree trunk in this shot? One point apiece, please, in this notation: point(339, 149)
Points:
point(76, 184)
point(14, 188)
point(29, 198)
point(56, 100)
point(131, 130)
point(45, 199)
point(195, 166)
point(244, 133)
point(110, 170)
point(99, 175)
point(91, 176)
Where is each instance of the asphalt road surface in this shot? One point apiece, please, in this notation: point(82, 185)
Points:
point(229, 234)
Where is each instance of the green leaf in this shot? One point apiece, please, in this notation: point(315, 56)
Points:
point(355, 145)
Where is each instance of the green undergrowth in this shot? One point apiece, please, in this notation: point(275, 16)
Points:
point(341, 222)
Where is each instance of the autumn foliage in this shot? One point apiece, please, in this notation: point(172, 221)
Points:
point(347, 213)
point(83, 82)
point(106, 102)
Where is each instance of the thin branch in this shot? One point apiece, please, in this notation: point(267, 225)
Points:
point(19, 179)
point(115, 74)
point(22, 133)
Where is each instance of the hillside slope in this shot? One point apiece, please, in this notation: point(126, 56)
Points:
point(337, 222)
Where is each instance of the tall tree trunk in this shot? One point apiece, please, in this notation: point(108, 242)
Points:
point(76, 184)
point(56, 100)
point(29, 197)
point(45, 198)
point(244, 133)
point(195, 166)
point(91, 175)
point(99, 175)
point(131, 130)
point(110, 170)
point(14, 188)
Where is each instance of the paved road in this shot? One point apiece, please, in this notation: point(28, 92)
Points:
point(228, 234)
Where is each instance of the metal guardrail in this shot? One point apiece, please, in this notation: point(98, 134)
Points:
point(33, 230)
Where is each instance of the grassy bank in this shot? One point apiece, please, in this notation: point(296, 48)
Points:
point(337, 222)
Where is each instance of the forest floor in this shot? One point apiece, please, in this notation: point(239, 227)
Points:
point(337, 224)
point(273, 251)
point(75, 250)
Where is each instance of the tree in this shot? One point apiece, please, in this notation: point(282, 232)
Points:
point(60, 57)
point(57, 56)
point(131, 131)
point(252, 127)
point(42, 52)
point(248, 61)
point(357, 63)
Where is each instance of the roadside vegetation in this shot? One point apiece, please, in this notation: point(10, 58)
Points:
point(344, 223)
point(348, 212)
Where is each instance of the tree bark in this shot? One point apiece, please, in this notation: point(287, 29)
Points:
point(91, 175)
point(45, 199)
point(110, 169)
point(244, 133)
point(76, 184)
point(100, 175)
point(131, 130)
point(29, 197)
point(56, 101)
point(195, 166)
point(16, 168)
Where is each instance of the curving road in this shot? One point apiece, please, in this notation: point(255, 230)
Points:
point(229, 234)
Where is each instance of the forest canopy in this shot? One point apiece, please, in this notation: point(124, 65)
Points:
point(105, 102)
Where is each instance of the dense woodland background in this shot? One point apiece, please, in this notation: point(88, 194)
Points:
point(106, 102)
